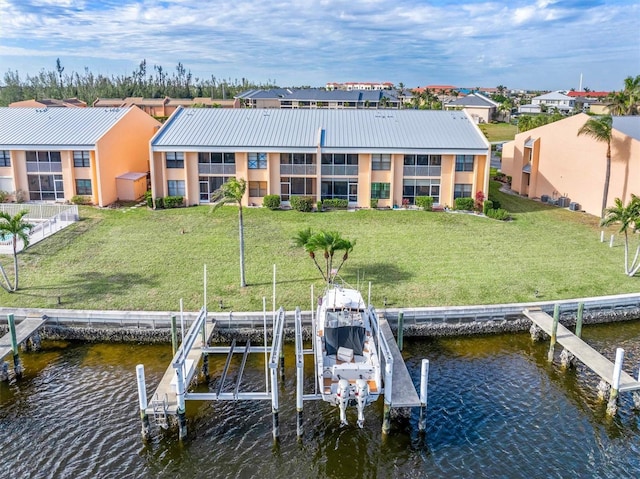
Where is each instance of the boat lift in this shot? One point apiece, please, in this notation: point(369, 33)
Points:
point(398, 388)
point(173, 391)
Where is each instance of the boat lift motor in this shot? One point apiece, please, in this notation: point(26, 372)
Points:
point(343, 399)
point(362, 393)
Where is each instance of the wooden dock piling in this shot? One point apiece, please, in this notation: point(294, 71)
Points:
point(554, 332)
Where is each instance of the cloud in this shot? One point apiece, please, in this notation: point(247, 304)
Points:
point(315, 41)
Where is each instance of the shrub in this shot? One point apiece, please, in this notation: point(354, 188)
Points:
point(271, 201)
point(498, 214)
point(496, 204)
point(336, 203)
point(302, 203)
point(488, 205)
point(4, 196)
point(373, 203)
point(81, 200)
point(319, 205)
point(425, 202)
point(20, 196)
point(479, 201)
point(159, 203)
point(148, 198)
point(173, 201)
point(465, 204)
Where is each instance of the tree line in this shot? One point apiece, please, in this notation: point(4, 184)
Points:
point(145, 81)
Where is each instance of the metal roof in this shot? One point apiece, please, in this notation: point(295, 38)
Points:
point(22, 128)
point(473, 100)
point(300, 130)
point(629, 125)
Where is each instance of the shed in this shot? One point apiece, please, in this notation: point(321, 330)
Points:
point(131, 186)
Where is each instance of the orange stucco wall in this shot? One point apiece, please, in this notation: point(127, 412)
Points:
point(123, 149)
point(565, 164)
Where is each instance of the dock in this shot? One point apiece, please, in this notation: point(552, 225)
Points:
point(591, 358)
point(24, 330)
point(403, 393)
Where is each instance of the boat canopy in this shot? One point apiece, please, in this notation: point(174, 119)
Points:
point(344, 329)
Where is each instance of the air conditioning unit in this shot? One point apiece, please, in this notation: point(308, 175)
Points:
point(573, 206)
point(544, 198)
point(563, 202)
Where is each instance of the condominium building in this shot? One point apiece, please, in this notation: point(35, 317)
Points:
point(54, 154)
point(393, 156)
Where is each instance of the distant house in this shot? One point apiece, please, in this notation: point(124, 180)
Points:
point(558, 100)
point(478, 106)
point(163, 107)
point(54, 154)
point(313, 98)
point(49, 103)
point(391, 156)
point(552, 162)
point(349, 86)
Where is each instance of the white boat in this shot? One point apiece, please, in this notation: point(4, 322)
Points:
point(347, 361)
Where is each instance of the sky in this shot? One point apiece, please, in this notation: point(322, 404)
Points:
point(521, 44)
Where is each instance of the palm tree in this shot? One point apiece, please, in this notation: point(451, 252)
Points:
point(232, 191)
point(329, 242)
point(14, 227)
point(599, 128)
point(629, 218)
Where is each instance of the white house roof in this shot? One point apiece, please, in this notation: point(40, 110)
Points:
point(554, 95)
point(474, 100)
point(23, 128)
point(629, 125)
point(334, 130)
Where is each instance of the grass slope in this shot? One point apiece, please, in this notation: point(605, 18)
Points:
point(137, 259)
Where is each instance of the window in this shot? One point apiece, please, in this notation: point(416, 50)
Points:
point(412, 188)
point(257, 161)
point(217, 158)
point(342, 189)
point(298, 158)
point(175, 187)
point(339, 164)
point(209, 184)
point(83, 187)
point(464, 162)
point(5, 158)
point(257, 188)
point(461, 191)
point(422, 165)
point(45, 187)
point(380, 191)
point(175, 159)
point(292, 186)
point(381, 162)
point(44, 156)
point(81, 159)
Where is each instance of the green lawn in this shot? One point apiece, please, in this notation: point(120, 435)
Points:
point(137, 259)
point(499, 131)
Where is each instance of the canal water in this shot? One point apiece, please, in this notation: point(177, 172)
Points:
point(496, 409)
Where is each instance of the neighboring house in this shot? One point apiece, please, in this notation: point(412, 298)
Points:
point(357, 155)
point(349, 86)
point(163, 107)
point(310, 98)
point(54, 154)
point(552, 161)
point(49, 103)
point(478, 106)
point(563, 103)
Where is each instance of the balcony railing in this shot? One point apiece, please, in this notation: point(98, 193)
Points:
point(43, 167)
point(216, 169)
point(339, 170)
point(298, 170)
point(422, 170)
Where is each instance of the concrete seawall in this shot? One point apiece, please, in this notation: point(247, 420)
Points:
point(154, 326)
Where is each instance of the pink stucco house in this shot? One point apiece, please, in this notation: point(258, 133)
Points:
point(553, 163)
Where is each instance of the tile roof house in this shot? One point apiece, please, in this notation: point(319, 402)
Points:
point(392, 156)
point(49, 103)
point(553, 163)
point(54, 154)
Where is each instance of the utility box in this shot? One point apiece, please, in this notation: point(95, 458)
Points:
point(544, 198)
point(573, 206)
point(563, 202)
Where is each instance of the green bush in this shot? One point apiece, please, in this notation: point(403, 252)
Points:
point(4, 196)
point(81, 200)
point(159, 203)
point(336, 203)
point(373, 203)
point(496, 205)
point(271, 201)
point(487, 205)
point(319, 205)
point(148, 198)
point(425, 202)
point(465, 204)
point(498, 214)
point(302, 203)
point(173, 201)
